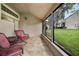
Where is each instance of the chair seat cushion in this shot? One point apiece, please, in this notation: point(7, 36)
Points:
point(21, 35)
point(4, 41)
point(24, 37)
point(3, 53)
point(14, 52)
point(10, 52)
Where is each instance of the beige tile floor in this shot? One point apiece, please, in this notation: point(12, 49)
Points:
point(36, 47)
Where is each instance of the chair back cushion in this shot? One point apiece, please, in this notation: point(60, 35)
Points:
point(19, 33)
point(4, 41)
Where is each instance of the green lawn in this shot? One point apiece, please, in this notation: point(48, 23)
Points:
point(69, 39)
point(49, 32)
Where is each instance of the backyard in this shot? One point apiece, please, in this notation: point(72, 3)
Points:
point(69, 39)
point(66, 27)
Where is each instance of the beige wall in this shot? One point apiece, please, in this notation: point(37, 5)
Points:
point(0, 11)
point(7, 27)
point(16, 24)
point(8, 23)
point(31, 26)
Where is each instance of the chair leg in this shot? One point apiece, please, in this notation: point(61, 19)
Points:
point(21, 54)
point(22, 51)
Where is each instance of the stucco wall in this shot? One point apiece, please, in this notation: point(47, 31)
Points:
point(7, 27)
point(8, 23)
point(0, 11)
point(31, 25)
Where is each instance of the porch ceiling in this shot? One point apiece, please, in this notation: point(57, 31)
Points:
point(38, 10)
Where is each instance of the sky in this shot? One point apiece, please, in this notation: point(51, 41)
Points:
point(75, 7)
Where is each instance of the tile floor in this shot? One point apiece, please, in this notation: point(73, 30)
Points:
point(36, 47)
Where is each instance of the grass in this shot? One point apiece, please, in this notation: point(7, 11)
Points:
point(49, 32)
point(69, 39)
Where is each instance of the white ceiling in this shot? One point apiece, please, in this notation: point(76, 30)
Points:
point(38, 10)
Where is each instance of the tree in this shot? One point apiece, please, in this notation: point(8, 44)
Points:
point(60, 14)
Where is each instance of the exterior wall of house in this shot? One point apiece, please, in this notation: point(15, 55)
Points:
point(73, 21)
point(16, 24)
point(31, 25)
point(0, 11)
point(7, 24)
point(7, 27)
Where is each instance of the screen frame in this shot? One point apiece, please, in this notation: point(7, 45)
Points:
point(53, 31)
point(54, 40)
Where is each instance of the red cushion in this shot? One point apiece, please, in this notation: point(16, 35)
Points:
point(21, 35)
point(3, 53)
point(3, 41)
point(11, 52)
point(14, 52)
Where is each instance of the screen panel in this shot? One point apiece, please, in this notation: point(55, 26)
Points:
point(66, 27)
point(48, 27)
